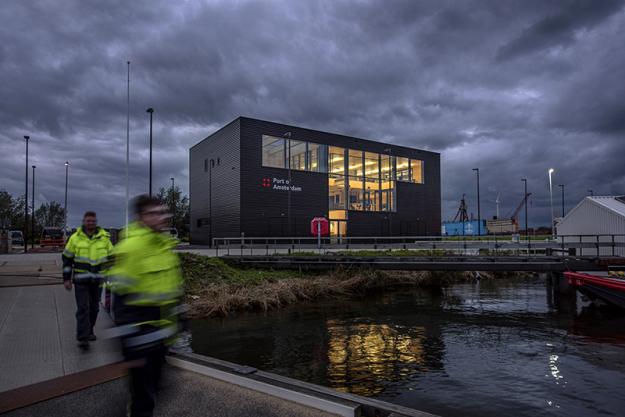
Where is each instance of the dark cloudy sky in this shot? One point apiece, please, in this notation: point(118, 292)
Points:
point(511, 87)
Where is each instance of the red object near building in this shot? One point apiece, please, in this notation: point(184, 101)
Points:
point(319, 224)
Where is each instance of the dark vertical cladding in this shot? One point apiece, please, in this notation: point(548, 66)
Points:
point(248, 202)
point(223, 147)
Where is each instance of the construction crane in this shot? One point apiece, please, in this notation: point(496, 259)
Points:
point(515, 213)
point(461, 215)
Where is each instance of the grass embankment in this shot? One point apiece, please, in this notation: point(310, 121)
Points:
point(214, 288)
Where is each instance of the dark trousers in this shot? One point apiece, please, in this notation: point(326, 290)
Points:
point(88, 303)
point(144, 383)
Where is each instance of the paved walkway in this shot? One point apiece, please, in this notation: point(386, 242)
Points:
point(38, 339)
point(182, 393)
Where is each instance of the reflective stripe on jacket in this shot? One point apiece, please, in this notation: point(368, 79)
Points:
point(87, 256)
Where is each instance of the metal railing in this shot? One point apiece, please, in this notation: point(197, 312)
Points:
point(563, 245)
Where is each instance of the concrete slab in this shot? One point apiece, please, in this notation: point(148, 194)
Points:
point(182, 394)
point(37, 337)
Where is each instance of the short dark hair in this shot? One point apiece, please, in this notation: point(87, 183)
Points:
point(142, 202)
point(89, 214)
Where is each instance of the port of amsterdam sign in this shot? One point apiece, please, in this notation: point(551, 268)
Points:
point(280, 184)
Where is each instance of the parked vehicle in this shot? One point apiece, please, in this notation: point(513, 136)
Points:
point(52, 236)
point(17, 237)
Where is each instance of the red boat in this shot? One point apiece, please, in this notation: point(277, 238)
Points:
point(609, 288)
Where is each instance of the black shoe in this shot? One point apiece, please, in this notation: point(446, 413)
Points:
point(83, 344)
point(92, 338)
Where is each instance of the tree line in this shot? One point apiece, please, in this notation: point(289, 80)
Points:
point(52, 214)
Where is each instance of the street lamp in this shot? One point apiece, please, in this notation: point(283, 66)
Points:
point(479, 215)
point(151, 111)
point(288, 145)
point(525, 199)
point(65, 205)
point(173, 204)
point(32, 216)
point(562, 187)
point(26, 200)
point(551, 171)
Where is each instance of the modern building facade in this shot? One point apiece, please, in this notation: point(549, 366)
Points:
point(265, 179)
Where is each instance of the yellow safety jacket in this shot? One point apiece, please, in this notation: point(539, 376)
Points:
point(146, 282)
point(87, 256)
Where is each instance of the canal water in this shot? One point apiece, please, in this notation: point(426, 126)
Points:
point(504, 347)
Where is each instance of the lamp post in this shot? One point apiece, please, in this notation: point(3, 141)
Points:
point(32, 216)
point(65, 205)
point(151, 111)
point(26, 200)
point(525, 199)
point(479, 215)
point(551, 171)
point(210, 201)
point(562, 188)
point(173, 204)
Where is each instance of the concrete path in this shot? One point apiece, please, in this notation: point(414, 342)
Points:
point(182, 393)
point(30, 269)
point(38, 339)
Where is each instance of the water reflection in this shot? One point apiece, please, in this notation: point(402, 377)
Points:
point(363, 358)
point(510, 347)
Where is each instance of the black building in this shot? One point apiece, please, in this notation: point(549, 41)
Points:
point(267, 179)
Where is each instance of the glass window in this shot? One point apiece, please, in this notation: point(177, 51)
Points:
point(338, 214)
point(402, 169)
point(274, 154)
point(386, 166)
point(416, 171)
point(317, 157)
point(371, 197)
point(336, 192)
point(336, 160)
point(298, 155)
point(387, 196)
point(355, 163)
point(356, 194)
point(372, 165)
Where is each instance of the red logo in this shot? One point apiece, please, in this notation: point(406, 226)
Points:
point(266, 182)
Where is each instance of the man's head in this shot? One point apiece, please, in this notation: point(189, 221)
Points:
point(151, 212)
point(89, 222)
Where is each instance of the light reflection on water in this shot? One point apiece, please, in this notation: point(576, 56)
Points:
point(507, 347)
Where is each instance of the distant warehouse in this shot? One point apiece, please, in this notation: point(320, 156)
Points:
point(265, 179)
point(598, 218)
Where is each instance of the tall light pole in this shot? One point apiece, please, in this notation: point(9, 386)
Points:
point(562, 187)
point(127, 146)
point(151, 111)
point(65, 205)
point(173, 204)
point(551, 171)
point(525, 199)
point(26, 200)
point(32, 216)
point(479, 215)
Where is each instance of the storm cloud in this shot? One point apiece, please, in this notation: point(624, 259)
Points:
point(511, 87)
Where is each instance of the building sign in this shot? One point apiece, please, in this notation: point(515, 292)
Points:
point(280, 184)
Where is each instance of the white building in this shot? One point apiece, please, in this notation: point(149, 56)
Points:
point(596, 219)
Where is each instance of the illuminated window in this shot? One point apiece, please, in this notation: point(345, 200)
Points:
point(403, 169)
point(298, 155)
point(317, 157)
point(372, 165)
point(336, 192)
point(355, 163)
point(336, 158)
point(371, 195)
point(274, 152)
point(387, 196)
point(356, 194)
point(386, 166)
point(416, 171)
